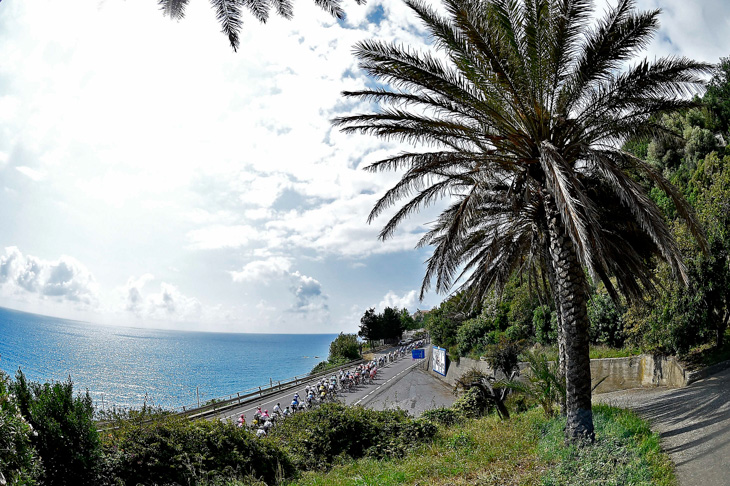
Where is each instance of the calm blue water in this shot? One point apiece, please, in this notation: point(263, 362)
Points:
point(126, 364)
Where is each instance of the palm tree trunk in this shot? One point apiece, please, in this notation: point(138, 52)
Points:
point(560, 330)
point(570, 289)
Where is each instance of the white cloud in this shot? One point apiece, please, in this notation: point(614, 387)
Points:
point(33, 174)
point(308, 293)
point(169, 304)
point(135, 302)
point(263, 271)
point(65, 279)
point(405, 301)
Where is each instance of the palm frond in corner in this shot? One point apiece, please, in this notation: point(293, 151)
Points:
point(228, 13)
point(175, 9)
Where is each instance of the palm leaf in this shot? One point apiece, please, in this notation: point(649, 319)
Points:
point(175, 9)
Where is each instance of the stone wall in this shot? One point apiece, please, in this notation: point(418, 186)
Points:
point(619, 373)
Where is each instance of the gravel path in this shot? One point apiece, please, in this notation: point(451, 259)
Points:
point(694, 424)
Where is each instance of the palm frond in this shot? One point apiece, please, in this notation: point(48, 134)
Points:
point(332, 7)
point(284, 8)
point(228, 13)
point(258, 8)
point(520, 112)
point(175, 9)
point(577, 211)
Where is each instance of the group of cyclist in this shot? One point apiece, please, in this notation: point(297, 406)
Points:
point(324, 390)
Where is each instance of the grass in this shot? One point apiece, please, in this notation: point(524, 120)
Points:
point(528, 449)
point(626, 452)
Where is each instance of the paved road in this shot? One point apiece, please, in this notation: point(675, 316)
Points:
point(386, 376)
point(416, 392)
point(694, 424)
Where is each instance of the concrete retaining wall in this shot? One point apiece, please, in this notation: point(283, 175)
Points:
point(620, 373)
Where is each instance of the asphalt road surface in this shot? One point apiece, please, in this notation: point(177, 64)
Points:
point(416, 392)
point(693, 422)
point(360, 395)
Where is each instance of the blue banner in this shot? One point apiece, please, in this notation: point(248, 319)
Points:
point(418, 354)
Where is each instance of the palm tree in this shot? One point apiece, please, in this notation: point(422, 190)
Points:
point(522, 112)
point(229, 12)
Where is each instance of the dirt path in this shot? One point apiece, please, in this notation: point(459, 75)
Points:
point(694, 423)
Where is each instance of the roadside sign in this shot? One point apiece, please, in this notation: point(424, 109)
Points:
point(439, 360)
point(418, 353)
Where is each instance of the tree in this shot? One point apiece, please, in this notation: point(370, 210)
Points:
point(229, 12)
point(520, 115)
point(718, 95)
point(344, 346)
point(370, 326)
point(711, 271)
point(407, 321)
point(391, 325)
point(66, 437)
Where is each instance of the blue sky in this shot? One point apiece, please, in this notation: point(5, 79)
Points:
point(149, 176)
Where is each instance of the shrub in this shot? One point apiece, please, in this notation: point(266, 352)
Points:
point(605, 321)
point(516, 333)
point(66, 440)
point(344, 347)
point(472, 404)
point(504, 356)
point(443, 416)
point(327, 365)
point(19, 462)
point(442, 328)
point(542, 383)
point(173, 450)
point(318, 438)
point(471, 334)
point(545, 323)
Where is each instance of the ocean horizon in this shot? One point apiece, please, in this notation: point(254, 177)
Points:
point(125, 367)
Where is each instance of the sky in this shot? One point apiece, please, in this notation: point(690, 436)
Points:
point(150, 176)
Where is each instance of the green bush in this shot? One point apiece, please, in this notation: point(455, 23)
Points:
point(605, 321)
point(443, 416)
point(174, 450)
point(345, 347)
point(545, 323)
point(472, 404)
point(66, 440)
point(333, 432)
point(516, 333)
point(542, 383)
point(504, 356)
point(19, 462)
point(471, 335)
point(328, 365)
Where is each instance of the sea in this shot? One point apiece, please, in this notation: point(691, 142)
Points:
point(126, 367)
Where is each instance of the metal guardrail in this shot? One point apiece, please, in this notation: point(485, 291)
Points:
point(257, 393)
point(241, 398)
point(217, 406)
